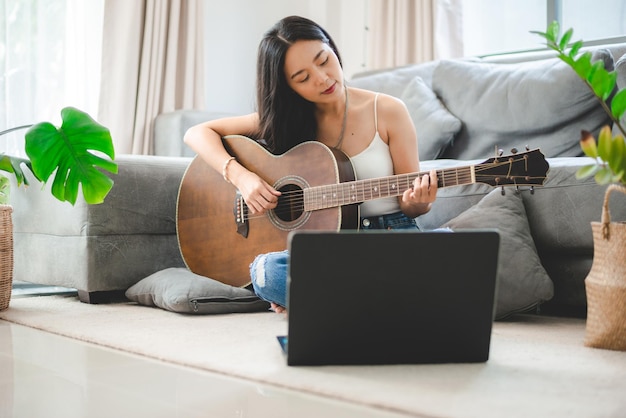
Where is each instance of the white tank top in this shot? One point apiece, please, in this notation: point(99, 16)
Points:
point(374, 162)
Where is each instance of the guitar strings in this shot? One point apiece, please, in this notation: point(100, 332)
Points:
point(288, 204)
point(294, 201)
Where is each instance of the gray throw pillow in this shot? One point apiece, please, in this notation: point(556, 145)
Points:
point(540, 104)
point(523, 283)
point(179, 290)
point(435, 126)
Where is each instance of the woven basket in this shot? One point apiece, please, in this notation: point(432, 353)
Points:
point(606, 283)
point(6, 255)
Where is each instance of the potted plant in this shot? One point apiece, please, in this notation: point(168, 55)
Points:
point(70, 155)
point(606, 283)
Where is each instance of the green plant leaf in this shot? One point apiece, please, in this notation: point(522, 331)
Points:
point(616, 154)
point(575, 48)
point(604, 176)
point(14, 165)
point(73, 152)
point(605, 140)
point(542, 34)
point(583, 66)
point(4, 190)
point(602, 81)
point(588, 144)
point(618, 104)
point(586, 171)
point(567, 59)
point(552, 34)
point(566, 38)
point(622, 167)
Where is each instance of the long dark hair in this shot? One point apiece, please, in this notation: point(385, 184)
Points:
point(286, 119)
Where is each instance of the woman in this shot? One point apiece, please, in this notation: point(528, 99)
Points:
point(302, 96)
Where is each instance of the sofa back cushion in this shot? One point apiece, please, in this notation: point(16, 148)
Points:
point(541, 104)
point(393, 81)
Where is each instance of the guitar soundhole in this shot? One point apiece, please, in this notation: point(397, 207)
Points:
point(290, 204)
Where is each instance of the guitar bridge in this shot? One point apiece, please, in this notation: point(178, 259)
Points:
point(240, 210)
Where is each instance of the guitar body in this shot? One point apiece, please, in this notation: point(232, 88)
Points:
point(216, 236)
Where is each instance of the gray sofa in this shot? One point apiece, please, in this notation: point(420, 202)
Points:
point(102, 249)
point(463, 111)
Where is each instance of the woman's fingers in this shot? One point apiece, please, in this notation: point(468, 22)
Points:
point(260, 196)
point(424, 189)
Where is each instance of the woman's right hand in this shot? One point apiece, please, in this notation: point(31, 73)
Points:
point(206, 140)
point(256, 192)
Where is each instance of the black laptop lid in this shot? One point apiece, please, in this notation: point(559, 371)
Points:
point(381, 297)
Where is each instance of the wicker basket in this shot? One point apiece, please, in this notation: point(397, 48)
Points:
point(6, 255)
point(606, 283)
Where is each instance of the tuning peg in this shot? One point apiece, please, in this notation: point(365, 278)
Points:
point(513, 150)
point(503, 191)
point(500, 152)
point(527, 147)
point(532, 189)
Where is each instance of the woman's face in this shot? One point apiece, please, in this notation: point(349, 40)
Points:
point(313, 71)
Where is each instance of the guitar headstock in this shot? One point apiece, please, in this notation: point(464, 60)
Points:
point(528, 168)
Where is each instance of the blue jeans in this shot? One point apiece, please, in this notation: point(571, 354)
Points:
point(268, 272)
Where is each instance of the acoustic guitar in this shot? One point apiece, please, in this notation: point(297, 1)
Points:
point(218, 238)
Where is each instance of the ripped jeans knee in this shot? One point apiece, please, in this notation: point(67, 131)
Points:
point(268, 273)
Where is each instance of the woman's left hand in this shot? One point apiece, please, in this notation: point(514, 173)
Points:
point(424, 190)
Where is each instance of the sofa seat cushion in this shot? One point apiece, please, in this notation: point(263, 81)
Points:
point(540, 104)
point(522, 281)
point(560, 212)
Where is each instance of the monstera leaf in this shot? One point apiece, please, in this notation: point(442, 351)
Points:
point(14, 165)
point(4, 190)
point(11, 165)
point(72, 155)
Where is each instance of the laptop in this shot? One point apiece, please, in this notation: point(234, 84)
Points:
point(390, 297)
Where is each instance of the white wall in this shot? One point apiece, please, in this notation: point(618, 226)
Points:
point(234, 29)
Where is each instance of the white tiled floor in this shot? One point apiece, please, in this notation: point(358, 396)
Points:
point(46, 375)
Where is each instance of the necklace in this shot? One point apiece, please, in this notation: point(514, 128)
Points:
point(343, 124)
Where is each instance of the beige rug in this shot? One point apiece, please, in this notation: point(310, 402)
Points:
point(538, 366)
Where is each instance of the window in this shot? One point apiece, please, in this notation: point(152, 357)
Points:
point(592, 22)
point(499, 26)
point(49, 59)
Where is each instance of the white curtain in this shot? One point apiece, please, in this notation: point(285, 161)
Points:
point(49, 59)
point(448, 29)
point(406, 32)
point(152, 62)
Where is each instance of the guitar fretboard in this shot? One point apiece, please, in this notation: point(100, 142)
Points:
point(323, 197)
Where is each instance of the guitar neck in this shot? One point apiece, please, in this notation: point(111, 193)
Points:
point(322, 197)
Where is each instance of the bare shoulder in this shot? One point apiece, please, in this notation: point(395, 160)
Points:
point(393, 117)
point(384, 102)
point(390, 104)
